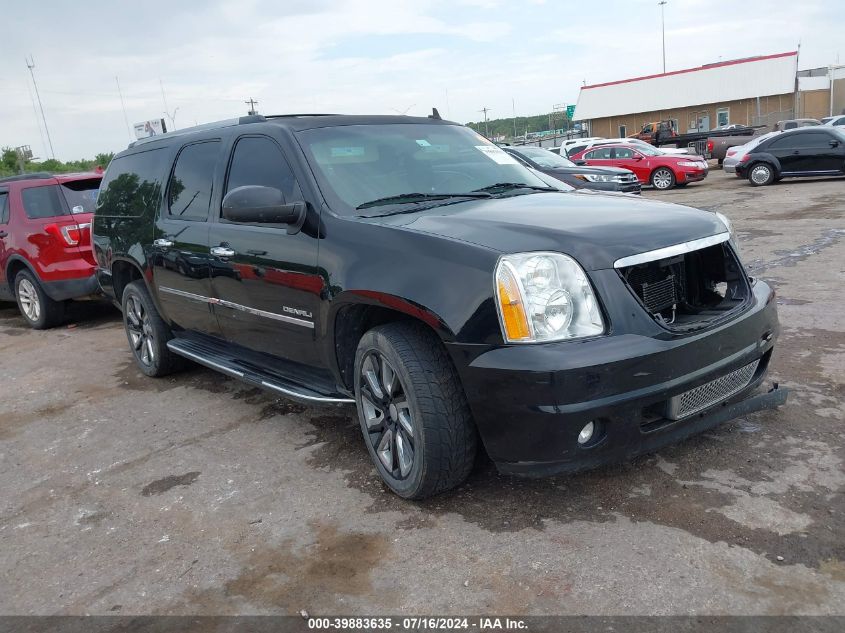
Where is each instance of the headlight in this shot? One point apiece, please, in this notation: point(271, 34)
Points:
point(730, 228)
point(688, 163)
point(598, 178)
point(545, 297)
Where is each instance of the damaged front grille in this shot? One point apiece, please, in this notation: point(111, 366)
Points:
point(708, 394)
point(690, 290)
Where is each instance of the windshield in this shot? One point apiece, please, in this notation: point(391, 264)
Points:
point(543, 157)
point(648, 150)
point(81, 193)
point(357, 164)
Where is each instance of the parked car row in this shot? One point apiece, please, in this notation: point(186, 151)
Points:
point(412, 268)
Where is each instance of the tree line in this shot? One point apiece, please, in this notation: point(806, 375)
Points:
point(524, 124)
point(10, 164)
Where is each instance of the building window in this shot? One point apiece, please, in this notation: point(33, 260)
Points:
point(723, 117)
point(623, 131)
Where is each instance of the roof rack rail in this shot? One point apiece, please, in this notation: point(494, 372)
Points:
point(36, 175)
point(282, 116)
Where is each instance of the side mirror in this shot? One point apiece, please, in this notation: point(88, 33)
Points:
point(254, 204)
point(636, 157)
point(580, 162)
point(834, 143)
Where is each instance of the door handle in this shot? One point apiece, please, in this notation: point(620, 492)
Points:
point(222, 251)
point(796, 152)
point(162, 243)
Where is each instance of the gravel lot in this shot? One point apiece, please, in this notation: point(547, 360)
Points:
point(195, 494)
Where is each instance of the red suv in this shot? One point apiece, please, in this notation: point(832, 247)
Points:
point(661, 171)
point(45, 243)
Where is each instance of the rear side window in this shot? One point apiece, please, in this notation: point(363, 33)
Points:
point(623, 152)
point(4, 207)
point(43, 202)
point(132, 185)
point(802, 141)
point(189, 191)
point(602, 153)
point(575, 149)
point(257, 160)
point(81, 193)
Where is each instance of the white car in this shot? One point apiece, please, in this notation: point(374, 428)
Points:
point(834, 120)
point(586, 143)
point(568, 144)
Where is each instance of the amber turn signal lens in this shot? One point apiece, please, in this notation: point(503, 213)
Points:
point(514, 319)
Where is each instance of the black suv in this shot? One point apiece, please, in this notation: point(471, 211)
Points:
point(409, 266)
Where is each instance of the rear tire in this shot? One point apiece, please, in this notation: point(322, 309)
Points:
point(663, 178)
point(147, 333)
point(40, 311)
point(761, 174)
point(413, 412)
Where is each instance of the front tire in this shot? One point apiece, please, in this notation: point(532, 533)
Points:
point(413, 412)
point(147, 332)
point(761, 174)
point(663, 178)
point(38, 309)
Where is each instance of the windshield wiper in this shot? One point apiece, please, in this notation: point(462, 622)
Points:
point(501, 187)
point(420, 197)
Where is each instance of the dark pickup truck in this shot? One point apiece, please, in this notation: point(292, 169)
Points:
point(411, 268)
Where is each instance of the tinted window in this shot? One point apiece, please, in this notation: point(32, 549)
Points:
point(4, 207)
point(575, 149)
point(543, 157)
point(801, 141)
point(189, 191)
point(81, 193)
point(132, 185)
point(43, 202)
point(603, 153)
point(623, 152)
point(259, 161)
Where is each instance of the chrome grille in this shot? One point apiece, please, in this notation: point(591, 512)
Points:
point(708, 394)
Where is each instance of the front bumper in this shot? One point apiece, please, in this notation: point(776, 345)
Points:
point(692, 176)
point(620, 187)
point(531, 401)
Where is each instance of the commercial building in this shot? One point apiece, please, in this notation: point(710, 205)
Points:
point(752, 91)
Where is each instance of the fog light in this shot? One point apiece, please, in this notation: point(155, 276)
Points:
point(586, 433)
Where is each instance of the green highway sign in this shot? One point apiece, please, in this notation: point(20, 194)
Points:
point(570, 112)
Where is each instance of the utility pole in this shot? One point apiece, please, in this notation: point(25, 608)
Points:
point(123, 106)
point(252, 103)
point(30, 63)
point(513, 104)
point(662, 4)
point(485, 110)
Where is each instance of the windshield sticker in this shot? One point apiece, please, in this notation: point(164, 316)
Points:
point(341, 152)
point(423, 143)
point(494, 153)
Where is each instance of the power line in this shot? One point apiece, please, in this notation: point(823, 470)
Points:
point(123, 106)
point(30, 63)
point(37, 122)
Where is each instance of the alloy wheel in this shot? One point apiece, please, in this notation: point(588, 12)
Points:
point(387, 414)
point(140, 331)
point(30, 304)
point(760, 174)
point(662, 179)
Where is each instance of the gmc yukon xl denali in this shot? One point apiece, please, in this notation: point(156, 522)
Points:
point(411, 267)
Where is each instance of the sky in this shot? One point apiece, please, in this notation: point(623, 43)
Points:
point(358, 56)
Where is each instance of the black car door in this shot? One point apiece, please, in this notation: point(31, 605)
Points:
point(803, 153)
point(264, 278)
point(180, 250)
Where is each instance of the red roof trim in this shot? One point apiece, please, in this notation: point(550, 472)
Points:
point(693, 70)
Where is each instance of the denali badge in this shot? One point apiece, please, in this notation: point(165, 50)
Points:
point(297, 312)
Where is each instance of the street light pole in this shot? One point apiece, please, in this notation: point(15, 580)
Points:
point(662, 4)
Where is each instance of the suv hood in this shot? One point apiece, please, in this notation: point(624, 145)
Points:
point(593, 227)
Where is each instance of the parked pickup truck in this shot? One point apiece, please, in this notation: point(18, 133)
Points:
point(718, 146)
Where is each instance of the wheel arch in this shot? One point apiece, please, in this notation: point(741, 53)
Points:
point(16, 264)
point(355, 313)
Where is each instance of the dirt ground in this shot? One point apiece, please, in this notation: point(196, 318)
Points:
point(195, 494)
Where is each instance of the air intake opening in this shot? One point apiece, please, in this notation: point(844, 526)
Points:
point(690, 291)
